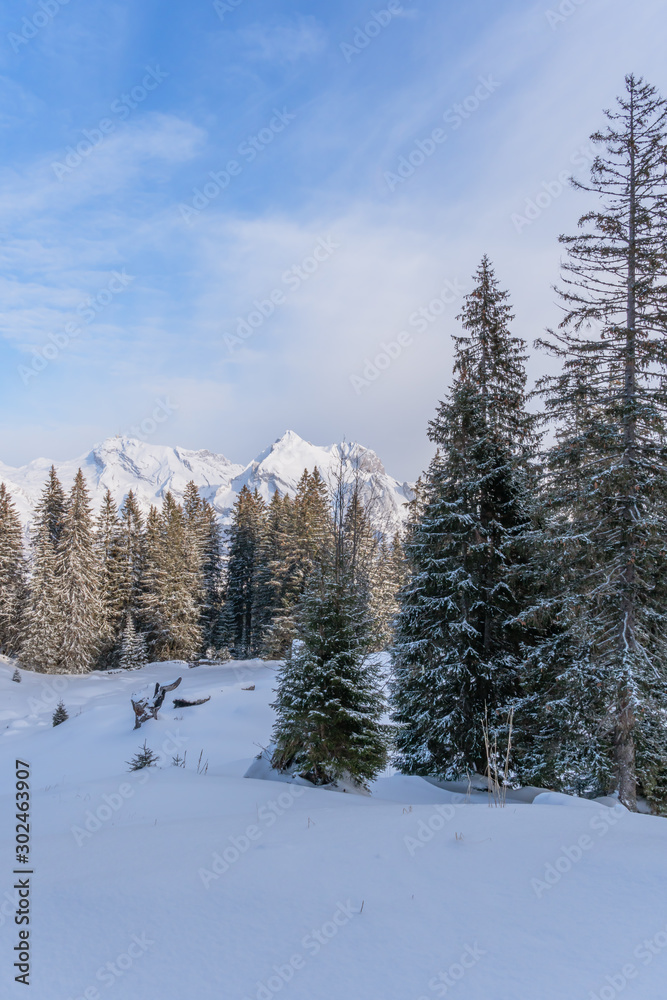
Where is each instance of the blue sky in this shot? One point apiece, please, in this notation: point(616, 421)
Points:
point(223, 212)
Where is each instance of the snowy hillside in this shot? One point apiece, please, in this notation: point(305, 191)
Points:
point(121, 463)
point(168, 884)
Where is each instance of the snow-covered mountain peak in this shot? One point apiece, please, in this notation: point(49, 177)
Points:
point(121, 464)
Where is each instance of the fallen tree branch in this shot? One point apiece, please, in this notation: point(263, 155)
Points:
point(147, 705)
point(184, 703)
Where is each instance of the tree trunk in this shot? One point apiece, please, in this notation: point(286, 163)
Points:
point(624, 744)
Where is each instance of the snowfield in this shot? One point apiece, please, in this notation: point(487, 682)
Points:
point(168, 884)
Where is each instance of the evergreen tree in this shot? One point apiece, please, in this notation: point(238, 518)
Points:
point(50, 511)
point(78, 587)
point(192, 507)
point(389, 577)
point(12, 574)
point(313, 518)
point(16, 676)
point(361, 541)
point(60, 714)
point(171, 586)
point(329, 698)
point(303, 534)
point(607, 467)
point(131, 554)
point(132, 653)
point(153, 585)
point(205, 564)
point(242, 624)
point(42, 629)
point(273, 578)
point(145, 757)
point(108, 546)
point(460, 637)
point(212, 577)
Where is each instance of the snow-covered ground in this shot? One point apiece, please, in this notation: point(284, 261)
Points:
point(166, 884)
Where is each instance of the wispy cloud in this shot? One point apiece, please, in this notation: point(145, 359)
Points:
point(283, 42)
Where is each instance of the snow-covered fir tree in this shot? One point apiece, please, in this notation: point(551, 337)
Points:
point(108, 542)
point(302, 537)
point(182, 593)
point(169, 608)
point(242, 618)
point(42, 627)
point(132, 653)
point(329, 699)
point(204, 539)
point(389, 577)
point(12, 574)
point(607, 475)
point(60, 714)
point(50, 511)
point(362, 541)
point(153, 583)
point(131, 552)
point(460, 641)
point(555, 716)
point(276, 565)
point(78, 584)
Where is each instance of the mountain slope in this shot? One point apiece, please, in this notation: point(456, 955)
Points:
point(121, 463)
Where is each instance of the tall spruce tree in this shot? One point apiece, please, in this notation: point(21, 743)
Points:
point(304, 534)
point(78, 584)
point(607, 467)
point(12, 574)
point(132, 651)
point(131, 554)
point(153, 584)
point(42, 627)
point(242, 619)
point(50, 511)
point(170, 611)
point(203, 535)
point(459, 640)
point(389, 577)
point(108, 541)
point(277, 559)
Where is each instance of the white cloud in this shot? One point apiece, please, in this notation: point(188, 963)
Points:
point(284, 42)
